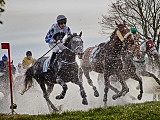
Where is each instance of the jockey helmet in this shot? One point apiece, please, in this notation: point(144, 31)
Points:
point(61, 18)
point(133, 30)
point(28, 53)
point(4, 57)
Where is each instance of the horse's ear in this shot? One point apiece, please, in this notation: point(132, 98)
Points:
point(124, 22)
point(116, 23)
point(80, 34)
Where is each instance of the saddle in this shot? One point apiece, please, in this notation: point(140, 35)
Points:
point(46, 63)
point(93, 54)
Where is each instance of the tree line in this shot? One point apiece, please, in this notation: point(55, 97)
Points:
point(144, 15)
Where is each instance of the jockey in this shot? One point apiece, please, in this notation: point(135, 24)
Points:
point(3, 63)
point(55, 35)
point(136, 43)
point(28, 60)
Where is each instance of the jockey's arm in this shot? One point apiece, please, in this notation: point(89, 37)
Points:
point(49, 37)
point(25, 63)
point(34, 60)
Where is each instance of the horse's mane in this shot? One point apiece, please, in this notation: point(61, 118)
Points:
point(112, 35)
point(68, 39)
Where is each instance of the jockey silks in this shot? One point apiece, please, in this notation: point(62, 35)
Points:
point(55, 33)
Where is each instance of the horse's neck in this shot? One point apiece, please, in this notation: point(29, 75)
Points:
point(113, 47)
point(67, 56)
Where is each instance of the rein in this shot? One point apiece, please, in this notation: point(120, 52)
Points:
point(44, 55)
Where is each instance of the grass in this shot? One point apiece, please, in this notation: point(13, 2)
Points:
point(139, 111)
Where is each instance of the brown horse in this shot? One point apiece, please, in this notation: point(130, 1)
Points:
point(108, 61)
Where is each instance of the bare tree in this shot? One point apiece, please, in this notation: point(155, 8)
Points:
point(2, 3)
point(141, 14)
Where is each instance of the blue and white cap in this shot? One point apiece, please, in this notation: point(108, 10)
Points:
point(61, 17)
point(4, 57)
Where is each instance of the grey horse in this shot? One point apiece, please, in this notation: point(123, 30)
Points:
point(65, 69)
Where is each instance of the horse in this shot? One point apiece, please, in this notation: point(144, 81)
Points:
point(64, 69)
point(147, 47)
point(109, 61)
point(153, 62)
point(128, 71)
point(88, 64)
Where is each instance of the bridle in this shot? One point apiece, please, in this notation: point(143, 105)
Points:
point(124, 39)
point(77, 40)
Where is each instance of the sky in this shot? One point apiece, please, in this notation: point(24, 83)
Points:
point(26, 22)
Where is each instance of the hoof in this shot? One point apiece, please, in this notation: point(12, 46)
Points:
point(139, 97)
point(84, 101)
point(59, 97)
point(96, 94)
point(21, 93)
point(114, 97)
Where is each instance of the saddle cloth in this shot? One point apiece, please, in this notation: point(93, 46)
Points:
point(46, 64)
point(92, 57)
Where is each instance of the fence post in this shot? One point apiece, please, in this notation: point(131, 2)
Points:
point(7, 46)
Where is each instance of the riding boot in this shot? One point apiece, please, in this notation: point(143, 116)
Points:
point(52, 60)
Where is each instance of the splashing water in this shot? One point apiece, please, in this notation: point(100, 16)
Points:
point(32, 102)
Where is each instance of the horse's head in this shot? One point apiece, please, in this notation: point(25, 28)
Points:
point(124, 34)
point(149, 48)
point(75, 43)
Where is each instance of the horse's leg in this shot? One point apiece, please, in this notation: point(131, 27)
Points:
point(27, 84)
point(80, 73)
point(82, 91)
point(148, 74)
point(49, 88)
point(113, 79)
point(46, 96)
point(139, 79)
point(125, 88)
point(90, 82)
point(64, 86)
point(106, 88)
point(100, 78)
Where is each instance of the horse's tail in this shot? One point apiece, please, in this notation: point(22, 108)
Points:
point(28, 81)
point(29, 75)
